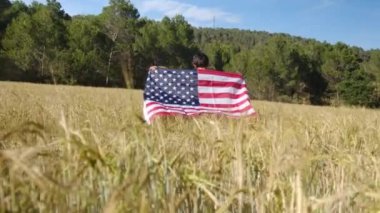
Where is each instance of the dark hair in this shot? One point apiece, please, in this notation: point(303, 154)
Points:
point(200, 60)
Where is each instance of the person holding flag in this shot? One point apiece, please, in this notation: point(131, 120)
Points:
point(171, 92)
point(200, 60)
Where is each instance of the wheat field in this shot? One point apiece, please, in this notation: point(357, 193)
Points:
point(82, 149)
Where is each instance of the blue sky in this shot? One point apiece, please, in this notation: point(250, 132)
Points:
point(354, 22)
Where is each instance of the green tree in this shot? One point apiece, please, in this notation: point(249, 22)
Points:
point(4, 6)
point(358, 88)
point(120, 21)
point(148, 50)
point(372, 66)
point(34, 41)
point(219, 54)
point(337, 60)
point(87, 52)
point(287, 67)
point(176, 39)
point(18, 42)
point(56, 9)
point(169, 42)
point(315, 83)
point(49, 32)
point(147, 43)
point(9, 11)
point(281, 70)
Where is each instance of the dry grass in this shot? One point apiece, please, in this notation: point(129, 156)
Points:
point(75, 149)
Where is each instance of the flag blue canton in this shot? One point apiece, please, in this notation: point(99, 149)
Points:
point(178, 87)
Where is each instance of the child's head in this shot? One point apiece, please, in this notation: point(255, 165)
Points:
point(200, 60)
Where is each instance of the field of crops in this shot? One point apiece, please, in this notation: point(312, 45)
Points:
point(82, 149)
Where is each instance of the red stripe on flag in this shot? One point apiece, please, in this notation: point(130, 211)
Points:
point(215, 72)
point(220, 84)
point(224, 105)
point(180, 110)
point(216, 106)
point(221, 95)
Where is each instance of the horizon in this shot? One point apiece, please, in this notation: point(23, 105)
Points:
point(351, 22)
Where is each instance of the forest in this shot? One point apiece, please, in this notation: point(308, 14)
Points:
point(41, 43)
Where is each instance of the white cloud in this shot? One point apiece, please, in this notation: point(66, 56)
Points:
point(194, 13)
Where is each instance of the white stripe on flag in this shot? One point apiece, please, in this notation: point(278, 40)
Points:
point(240, 107)
point(208, 77)
point(196, 112)
point(223, 100)
point(219, 93)
point(232, 90)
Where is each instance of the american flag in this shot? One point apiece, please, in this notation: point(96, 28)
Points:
point(193, 92)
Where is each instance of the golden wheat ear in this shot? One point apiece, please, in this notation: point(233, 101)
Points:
point(89, 150)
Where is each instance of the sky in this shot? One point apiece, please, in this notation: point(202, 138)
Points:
point(354, 22)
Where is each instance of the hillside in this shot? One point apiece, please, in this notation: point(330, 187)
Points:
point(83, 149)
point(41, 43)
point(240, 38)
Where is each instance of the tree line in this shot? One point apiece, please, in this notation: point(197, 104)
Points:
point(42, 43)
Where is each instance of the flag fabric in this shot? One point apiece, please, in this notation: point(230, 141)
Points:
point(194, 92)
